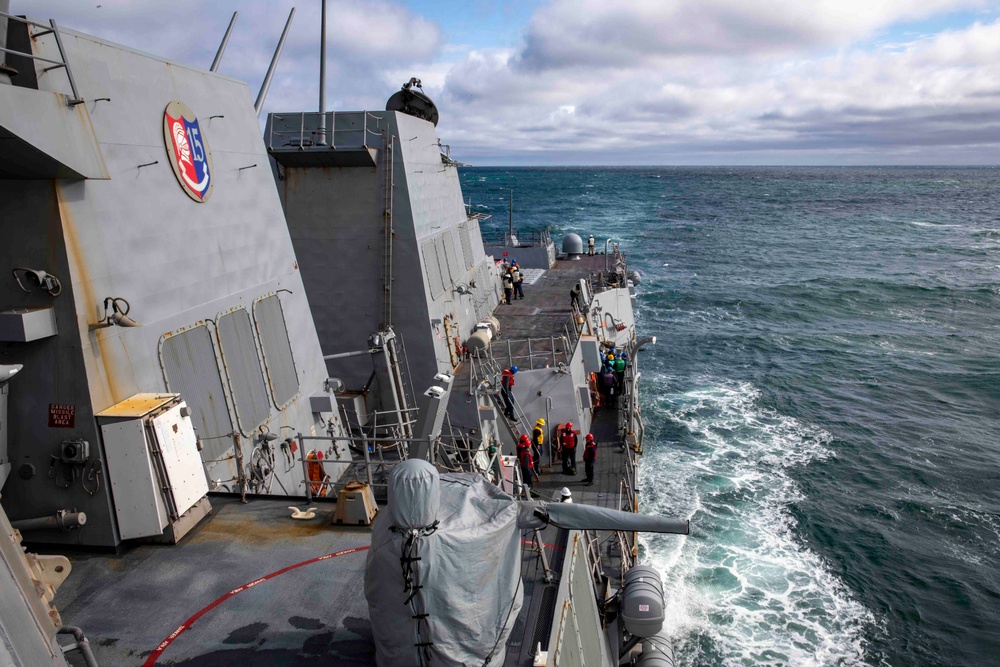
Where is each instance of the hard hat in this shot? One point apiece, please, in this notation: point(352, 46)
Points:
point(524, 437)
point(569, 424)
point(565, 493)
point(540, 421)
point(513, 369)
point(624, 355)
point(590, 437)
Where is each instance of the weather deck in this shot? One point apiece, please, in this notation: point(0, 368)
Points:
point(251, 586)
point(534, 330)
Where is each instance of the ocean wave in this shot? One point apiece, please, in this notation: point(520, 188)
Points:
point(743, 588)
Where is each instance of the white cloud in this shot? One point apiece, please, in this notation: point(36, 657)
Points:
point(624, 82)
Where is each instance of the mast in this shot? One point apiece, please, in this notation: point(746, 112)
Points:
point(322, 75)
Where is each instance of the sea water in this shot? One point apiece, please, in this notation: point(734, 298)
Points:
point(823, 400)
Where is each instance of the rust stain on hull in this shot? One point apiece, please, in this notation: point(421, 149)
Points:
point(84, 291)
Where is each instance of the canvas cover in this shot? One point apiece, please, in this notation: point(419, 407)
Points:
point(443, 573)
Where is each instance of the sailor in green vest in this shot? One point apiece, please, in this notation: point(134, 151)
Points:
point(619, 364)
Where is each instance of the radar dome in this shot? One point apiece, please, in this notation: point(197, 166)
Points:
point(572, 244)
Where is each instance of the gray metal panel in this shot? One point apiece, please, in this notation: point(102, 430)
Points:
point(463, 235)
point(454, 268)
point(179, 453)
point(192, 371)
point(592, 639)
point(246, 382)
point(432, 268)
point(278, 360)
point(134, 485)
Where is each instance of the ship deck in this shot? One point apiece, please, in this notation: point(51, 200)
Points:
point(251, 586)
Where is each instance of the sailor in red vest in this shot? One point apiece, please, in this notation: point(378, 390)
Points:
point(506, 389)
point(589, 458)
point(527, 463)
point(568, 442)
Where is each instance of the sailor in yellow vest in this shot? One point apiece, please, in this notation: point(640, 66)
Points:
point(538, 440)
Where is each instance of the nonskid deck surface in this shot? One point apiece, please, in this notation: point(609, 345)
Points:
point(542, 315)
point(251, 586)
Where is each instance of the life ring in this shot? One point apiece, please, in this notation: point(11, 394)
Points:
point(315, 470)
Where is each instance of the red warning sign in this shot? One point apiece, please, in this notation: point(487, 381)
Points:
point(62, 415)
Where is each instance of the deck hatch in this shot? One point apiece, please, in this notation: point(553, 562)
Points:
point(274, 343)
point(246, 382)
point(191, 370)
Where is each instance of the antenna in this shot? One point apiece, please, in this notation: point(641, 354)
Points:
point(225, 41)
point(322, 78)
point(262, 95)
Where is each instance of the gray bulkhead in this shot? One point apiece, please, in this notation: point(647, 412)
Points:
point(335, 214)
point(184, 267)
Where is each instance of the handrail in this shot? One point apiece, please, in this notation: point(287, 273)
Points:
point(56, 64)
point(312, 130)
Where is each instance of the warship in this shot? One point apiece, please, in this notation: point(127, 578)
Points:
point(213, 451)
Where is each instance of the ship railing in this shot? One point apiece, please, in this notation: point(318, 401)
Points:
point(528, 239)
point(536, 352)
point(478, 217)
point(63, 63)
point(332, 130)
point(375, 465)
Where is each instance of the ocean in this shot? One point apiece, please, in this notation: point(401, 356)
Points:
point(823, 400)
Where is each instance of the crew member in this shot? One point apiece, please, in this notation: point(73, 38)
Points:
point(506, 391)
point(568, 442)
point(620, 364)
point(527, 463)
point(518, 280)
point(538, 439)
point(508, 286)
point(590, 245)
point(589, 458)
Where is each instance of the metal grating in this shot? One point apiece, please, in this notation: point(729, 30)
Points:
point(432, 268)
point(278, 360)
point(190, 369)
point(246, 382)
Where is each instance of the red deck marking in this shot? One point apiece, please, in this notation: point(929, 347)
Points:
point(158, 651)
point(554, 547)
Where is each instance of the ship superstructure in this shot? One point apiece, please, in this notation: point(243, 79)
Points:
point(145, 252)
point(168, 359)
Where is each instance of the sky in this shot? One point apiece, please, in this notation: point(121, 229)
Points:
point(622, 82)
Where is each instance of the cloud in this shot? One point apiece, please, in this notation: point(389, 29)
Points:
point(682, 99)
point(596, 33)
point(632, 81)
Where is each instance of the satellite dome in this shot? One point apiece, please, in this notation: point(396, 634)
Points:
point(572, 244)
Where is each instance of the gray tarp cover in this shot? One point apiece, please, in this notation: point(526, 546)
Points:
point(469, 569)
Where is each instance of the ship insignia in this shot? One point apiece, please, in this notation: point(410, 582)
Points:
point(188, 151)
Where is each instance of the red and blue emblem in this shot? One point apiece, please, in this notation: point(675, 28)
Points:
point(188, 151)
